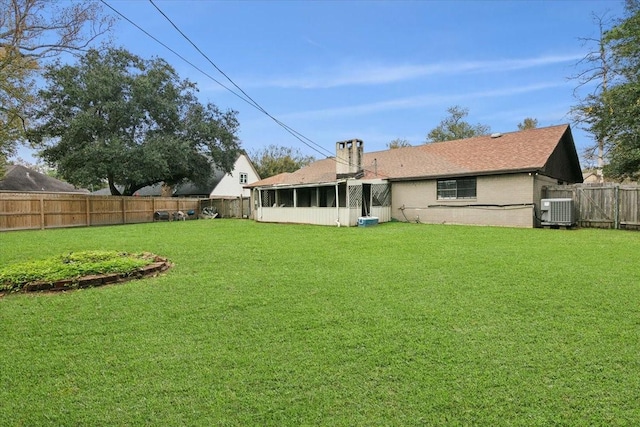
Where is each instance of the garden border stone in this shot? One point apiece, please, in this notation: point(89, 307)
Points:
point(160, 265)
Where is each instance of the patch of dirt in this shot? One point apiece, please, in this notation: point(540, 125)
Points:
point(159, 265)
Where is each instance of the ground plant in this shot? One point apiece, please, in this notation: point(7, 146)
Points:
point(72, 266)
point(274, 324)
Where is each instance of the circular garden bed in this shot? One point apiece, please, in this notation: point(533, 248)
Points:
point(78, 270)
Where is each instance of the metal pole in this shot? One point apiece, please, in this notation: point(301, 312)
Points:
point(337, 204)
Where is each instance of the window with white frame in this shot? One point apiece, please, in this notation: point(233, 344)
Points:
point(460, 188)
point(244, 178)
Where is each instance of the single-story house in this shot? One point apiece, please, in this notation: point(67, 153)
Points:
point(221, 185)
point(487, 180)
point(18, 178)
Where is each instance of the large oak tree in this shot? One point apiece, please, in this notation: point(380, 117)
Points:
point(117, 118)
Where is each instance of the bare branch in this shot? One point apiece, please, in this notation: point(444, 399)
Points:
point(32, 32)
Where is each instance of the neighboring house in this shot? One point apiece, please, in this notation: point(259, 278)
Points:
point(221, 185)
point(233, 184)
point(590, 177)
point(20, 179)
point(488, 180)
point(593, 176)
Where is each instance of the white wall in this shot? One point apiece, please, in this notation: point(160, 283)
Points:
point(230, 186)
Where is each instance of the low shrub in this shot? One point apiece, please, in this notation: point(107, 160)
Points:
point(70, 266)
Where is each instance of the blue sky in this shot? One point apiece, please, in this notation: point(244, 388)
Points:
point(374, 70)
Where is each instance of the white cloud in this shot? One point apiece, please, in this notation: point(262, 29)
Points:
point(373, 74)
point(415, 102)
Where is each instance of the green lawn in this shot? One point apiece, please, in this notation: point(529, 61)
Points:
point(268, 324)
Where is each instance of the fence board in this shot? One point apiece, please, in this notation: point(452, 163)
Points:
point(603, 206)
point(239, 207)
point(629, 207)
point(23, 211)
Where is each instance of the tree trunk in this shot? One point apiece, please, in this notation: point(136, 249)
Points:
point(112, 187)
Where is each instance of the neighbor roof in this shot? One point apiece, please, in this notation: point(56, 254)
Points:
point(184, 189)
point(549, 150)
point(22, 179)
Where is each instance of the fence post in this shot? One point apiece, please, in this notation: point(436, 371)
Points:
point(616, 207)
point(42, 212)
point(88, 210)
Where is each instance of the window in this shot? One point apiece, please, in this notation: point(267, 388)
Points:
point(243, 178)
point(452, 189)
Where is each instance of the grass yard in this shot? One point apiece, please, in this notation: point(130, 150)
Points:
point(268, 324)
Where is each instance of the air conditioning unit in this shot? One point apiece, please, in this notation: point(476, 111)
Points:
point(557, 212)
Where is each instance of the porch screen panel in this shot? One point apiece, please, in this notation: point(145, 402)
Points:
point(381, 195)
point(268, 198)
point(355, 196)
point(285, 197)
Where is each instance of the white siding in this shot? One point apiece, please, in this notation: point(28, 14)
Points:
point(318, 216)
point(382, 212)
point(230, 186)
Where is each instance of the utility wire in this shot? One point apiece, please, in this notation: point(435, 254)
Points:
point(243, 95)
point(245, 98)
point(174, 52)
point(296, 134)
point(302, 138)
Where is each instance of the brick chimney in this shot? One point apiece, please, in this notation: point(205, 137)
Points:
point(349, 158)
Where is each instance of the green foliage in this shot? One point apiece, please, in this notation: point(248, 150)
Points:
point(399, 324)
point(16, 87)
point(528, 123)
point(454, 127)
point(398, 143)
point(612, 114)
point(274, 159)
point(70, 266)
point(131, 122)
point(3, 166)
point(31, 32)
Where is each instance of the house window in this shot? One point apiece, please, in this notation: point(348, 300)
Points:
point(452, 189)
point(244, 179)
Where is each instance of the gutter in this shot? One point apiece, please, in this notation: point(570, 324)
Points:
point(299, 185)
point(463, 174)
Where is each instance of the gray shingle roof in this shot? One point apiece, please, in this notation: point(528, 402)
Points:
point(22, 179)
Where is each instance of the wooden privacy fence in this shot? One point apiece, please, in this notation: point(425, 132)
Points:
point(601, 206)
point(24, 211)
point(237, 207)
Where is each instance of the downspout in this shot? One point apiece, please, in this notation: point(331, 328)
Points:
point(337, 206)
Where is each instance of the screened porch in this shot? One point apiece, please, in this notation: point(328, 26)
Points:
point(337, 203)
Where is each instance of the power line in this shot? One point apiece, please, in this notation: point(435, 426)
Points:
point(255, 104)
point(294, 133)
point(242, 95)
point(246, 99)
point(173, 51)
